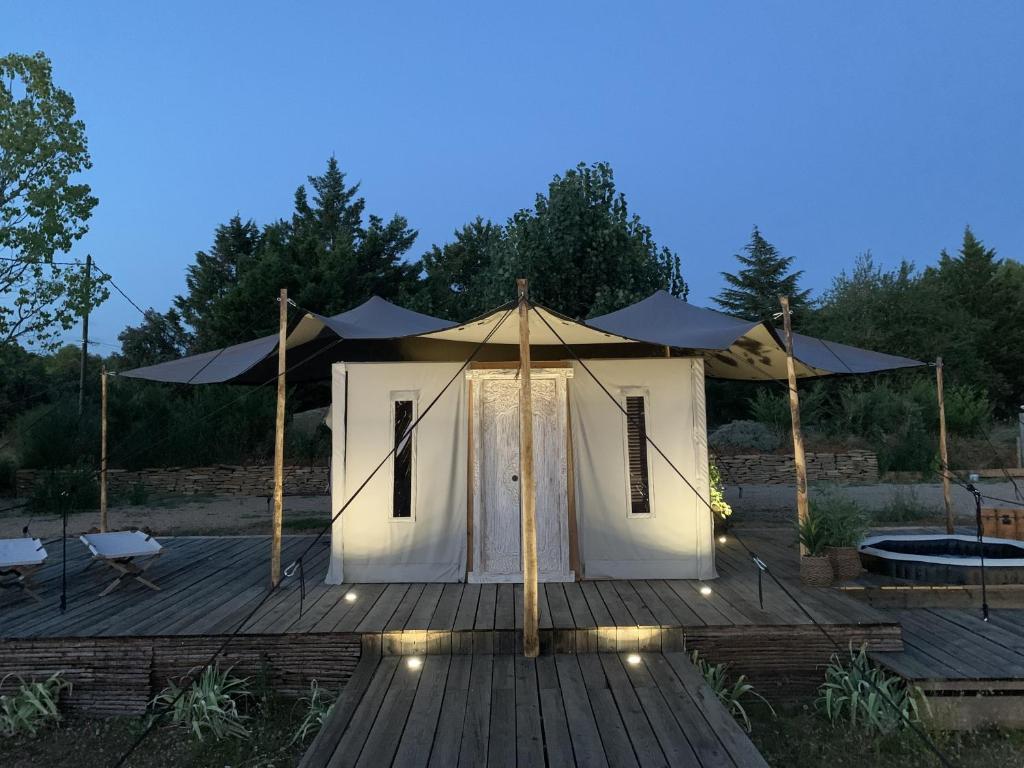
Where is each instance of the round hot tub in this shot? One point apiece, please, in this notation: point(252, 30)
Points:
point(944, 559)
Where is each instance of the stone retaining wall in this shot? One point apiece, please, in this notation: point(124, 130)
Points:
point(221, 480)
point(772, 469)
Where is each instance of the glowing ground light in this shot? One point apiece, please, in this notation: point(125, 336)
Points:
point(414, 662)
point(633, 658)
point(350, 597)
point(705, 590)
point(722, 539)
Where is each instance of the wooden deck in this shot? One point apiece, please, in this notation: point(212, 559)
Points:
point(506, 710)
point(953, 649)
point(209, 584)
point(124, 646)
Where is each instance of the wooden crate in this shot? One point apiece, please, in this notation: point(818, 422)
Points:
point(1002, 522)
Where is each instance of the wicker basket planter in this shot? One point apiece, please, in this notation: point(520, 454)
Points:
point(816, 570)
point(845, 562)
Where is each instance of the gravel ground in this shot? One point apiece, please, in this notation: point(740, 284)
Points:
point(766, 503)
point(187, 515)
point(182, 515)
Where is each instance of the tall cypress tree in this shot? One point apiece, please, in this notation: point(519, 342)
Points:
point(753, 292)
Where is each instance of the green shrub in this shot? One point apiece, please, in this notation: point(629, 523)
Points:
point(718, 503)
point(842, 519)
point(58, 489)
point(53, 435)
point(137, 495)
point(8, 467)
point(732, 693)
point(968, 411)
point(771, 407)
point(812, 533)
point(318, 705)
point(32, 706)
point(210, 706)
point(905, 507)
point(864, 697)
point(749, 435)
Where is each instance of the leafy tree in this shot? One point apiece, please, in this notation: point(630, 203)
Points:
point(330, 255)
point(582, 250)
point(42, 213)
point(764, 276)
point(458, 278)
point(209, 280)
point(158, 338)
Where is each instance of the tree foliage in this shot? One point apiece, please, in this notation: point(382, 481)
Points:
point(765, 275)
point(966, 308)
point(42, 210)
point(582, 250)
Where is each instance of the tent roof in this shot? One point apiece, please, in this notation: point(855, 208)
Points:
point(374, 319)
point(732, 348)
point(541, 335)
point(739, 349)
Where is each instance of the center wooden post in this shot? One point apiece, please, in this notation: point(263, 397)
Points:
point(282, 338)
point(527, 497)
point(947, 497)
point(799, 460)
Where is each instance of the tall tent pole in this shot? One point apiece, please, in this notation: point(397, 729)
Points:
point(943, 446)
point(531, 613)
point(103, 449)
point(799, 460)
point(282, 338)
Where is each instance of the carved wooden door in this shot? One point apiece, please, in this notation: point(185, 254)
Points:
point(497, 470)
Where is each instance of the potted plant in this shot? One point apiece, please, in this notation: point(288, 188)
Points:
point(815, 566)
point(844, 524)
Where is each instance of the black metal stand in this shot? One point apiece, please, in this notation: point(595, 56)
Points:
point(981, 548)
point(64, 554)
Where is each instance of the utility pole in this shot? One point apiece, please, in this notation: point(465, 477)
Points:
point(85, 334)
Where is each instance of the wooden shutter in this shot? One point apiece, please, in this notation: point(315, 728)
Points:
point(636, 441)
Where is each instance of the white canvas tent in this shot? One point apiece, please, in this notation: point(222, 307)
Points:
point(445, 505)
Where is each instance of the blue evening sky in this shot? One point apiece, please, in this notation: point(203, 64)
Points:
point(837, 127)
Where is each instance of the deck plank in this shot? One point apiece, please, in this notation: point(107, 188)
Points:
point(417, 737)
point(476, 733)
point(452, 718)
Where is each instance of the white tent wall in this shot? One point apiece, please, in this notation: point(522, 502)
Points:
point(676, 540)
point(368, 544)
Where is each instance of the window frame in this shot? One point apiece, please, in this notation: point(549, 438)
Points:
point(408, 395)
point(642, 392)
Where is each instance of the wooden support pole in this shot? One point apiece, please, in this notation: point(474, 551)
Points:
point(282, 338)
point(799, 460)
point(528, 512)
point(947, 496)
point(103, 449)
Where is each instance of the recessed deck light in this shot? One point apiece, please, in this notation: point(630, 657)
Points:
point(705, 590)
point(633, 658)
point(722, 539)
point(414, 662)
point(350, 597)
